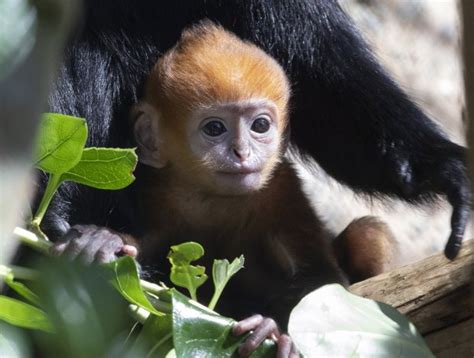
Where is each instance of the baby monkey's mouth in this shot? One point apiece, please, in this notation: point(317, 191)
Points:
point(241, 171)
point(238, 180)
point(238, 171)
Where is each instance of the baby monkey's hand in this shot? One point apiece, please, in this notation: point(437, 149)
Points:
point(263, 328)
point(93, 244)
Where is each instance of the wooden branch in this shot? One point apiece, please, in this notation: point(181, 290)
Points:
point(435, 294)
point(452, 342)
point(411, 287)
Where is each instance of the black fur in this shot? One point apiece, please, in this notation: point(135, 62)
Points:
point(347, 112)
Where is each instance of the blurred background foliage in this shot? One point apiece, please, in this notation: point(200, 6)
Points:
point(17, 33)
point(32, 37)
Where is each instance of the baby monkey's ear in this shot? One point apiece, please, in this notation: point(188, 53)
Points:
point(145, 121)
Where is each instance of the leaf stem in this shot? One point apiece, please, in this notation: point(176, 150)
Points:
point(138, 313)
point(192, 292)
point(151, 287)
point(18, 272)
point(31, 239)
point(53, 184)
point(157, 303)
point(42, 245)
point(164, 307)
point(215, 297)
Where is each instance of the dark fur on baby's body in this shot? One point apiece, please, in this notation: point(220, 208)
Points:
point(286, 248)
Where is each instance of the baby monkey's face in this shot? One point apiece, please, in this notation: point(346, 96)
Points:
point(214, 113)
point(236, 145)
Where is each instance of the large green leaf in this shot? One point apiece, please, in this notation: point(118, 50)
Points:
point(60, 142)
point(334, 322)
point(24, 315)
point(184, 274)
point(104, 168)
point(124, 277)
point(200, 332)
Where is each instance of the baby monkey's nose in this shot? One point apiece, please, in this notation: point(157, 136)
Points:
point(241, 153)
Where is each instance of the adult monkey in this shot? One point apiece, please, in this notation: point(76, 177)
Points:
point(347, 112)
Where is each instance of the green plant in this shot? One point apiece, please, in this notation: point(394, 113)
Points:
point(166, 314)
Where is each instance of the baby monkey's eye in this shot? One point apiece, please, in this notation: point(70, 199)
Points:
point(214, 128)
point(260, 125)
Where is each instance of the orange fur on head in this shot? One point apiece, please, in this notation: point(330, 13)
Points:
point(212, 66)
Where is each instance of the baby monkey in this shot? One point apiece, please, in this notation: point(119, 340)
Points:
point(211, 132)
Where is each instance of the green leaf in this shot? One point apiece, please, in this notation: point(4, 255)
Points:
point(183, 274)
point(200, 332)
point(60, 142)
point(104, 168)
point(222, 271)
point(190, 277)
point(185, 253)
point(22, 290)
point(334, 322)
point(23, 315)
point(123, 275)
point(156, 336)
